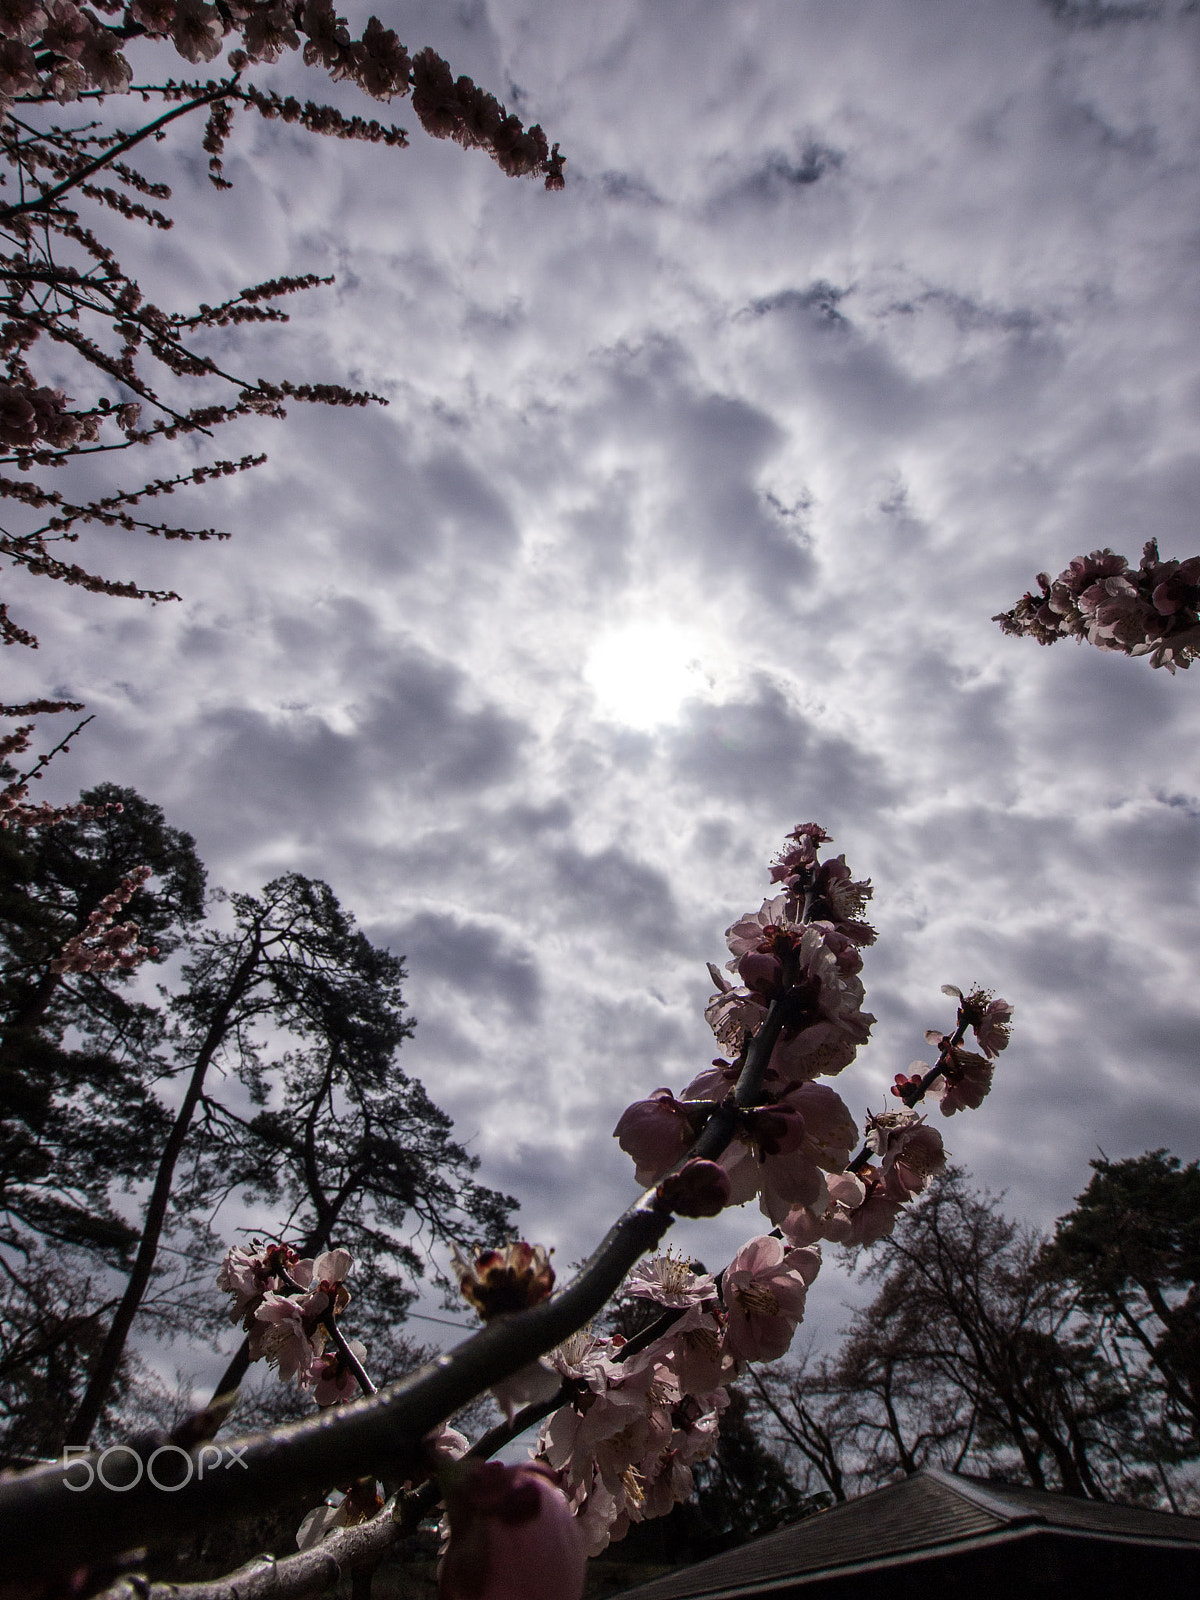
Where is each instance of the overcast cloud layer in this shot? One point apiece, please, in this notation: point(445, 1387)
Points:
point(698, 487)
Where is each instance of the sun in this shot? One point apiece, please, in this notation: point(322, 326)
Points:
point(642, 673)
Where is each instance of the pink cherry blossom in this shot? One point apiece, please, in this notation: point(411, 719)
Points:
point(240, 1277)
point(914, 1155)
point(761, 972)
point(197, 31)
point(279, 1334)
point(990, 1020)
point(764, 1289)
point(582, 1356)
point(627, 1415)
point(886, 1129)
point(830, 1132)
point(326, 1272)
point(795, 861)
point(786, 1174)
point(656, 1132)
point(249, 1271)
point(764, 928)
point(670, 1280)
point(781, 1182)
point(819, 1049)
point(843, 900)
point(714, 1083)
point(666, 1481)
point(691, 1349)
point(734, 1013)
point(965, 1082)
point(826, 1036)
point(697, 1424)
point(598, 1515)
point(859, 1213)
point(333, 1381)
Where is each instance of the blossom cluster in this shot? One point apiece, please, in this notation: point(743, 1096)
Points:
point(287, 1306)
point(961, 1079)
point(103, 946)
point(639, 1416)
point(30, 415)
point(58, 50)
point(633, 1417)
point(800, 953)
point(1153, 611)
point(15, 808)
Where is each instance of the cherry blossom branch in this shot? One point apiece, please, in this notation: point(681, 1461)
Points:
point(312, 1571)
point(328, 1319)
point(914, 1089)
point(266, 1578)
point(48, 1525)
point(61, 748)
point(221, 92)
point(1153, 609)
point(758, 1125)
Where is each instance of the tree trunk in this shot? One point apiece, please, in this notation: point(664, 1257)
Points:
point(113, 1348)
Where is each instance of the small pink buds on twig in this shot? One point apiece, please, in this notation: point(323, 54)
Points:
point(101, 947)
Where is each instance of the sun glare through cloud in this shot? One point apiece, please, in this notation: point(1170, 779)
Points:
point(642, 674)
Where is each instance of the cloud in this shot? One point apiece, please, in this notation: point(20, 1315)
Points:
point(849, 321)
point(472, 958)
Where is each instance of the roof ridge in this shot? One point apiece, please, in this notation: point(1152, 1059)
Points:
point(993, 1503)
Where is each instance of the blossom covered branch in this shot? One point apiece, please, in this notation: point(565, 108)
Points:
point(62, 284)
point(1153, 611)
point(625, 1420)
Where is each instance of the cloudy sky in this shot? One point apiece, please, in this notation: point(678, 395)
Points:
point(698, 486)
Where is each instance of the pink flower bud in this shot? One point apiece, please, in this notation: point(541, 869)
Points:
point(760, 972)
point(776, 1130)
point(512, 1536)
point(698, 1189)
point(655, 1132)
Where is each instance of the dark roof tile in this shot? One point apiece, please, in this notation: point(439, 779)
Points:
point(930, 1511)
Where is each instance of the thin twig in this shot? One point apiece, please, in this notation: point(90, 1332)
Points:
point(48, 199)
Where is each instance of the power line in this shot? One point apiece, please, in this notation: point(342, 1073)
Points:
point(424, 1316)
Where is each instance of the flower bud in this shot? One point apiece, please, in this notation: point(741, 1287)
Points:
point(776, 1130)
point(698, 1189)
point(760, 972)
point(512, 1536)
point(512, 1279)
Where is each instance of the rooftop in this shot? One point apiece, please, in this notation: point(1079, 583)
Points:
point(931, 1514)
